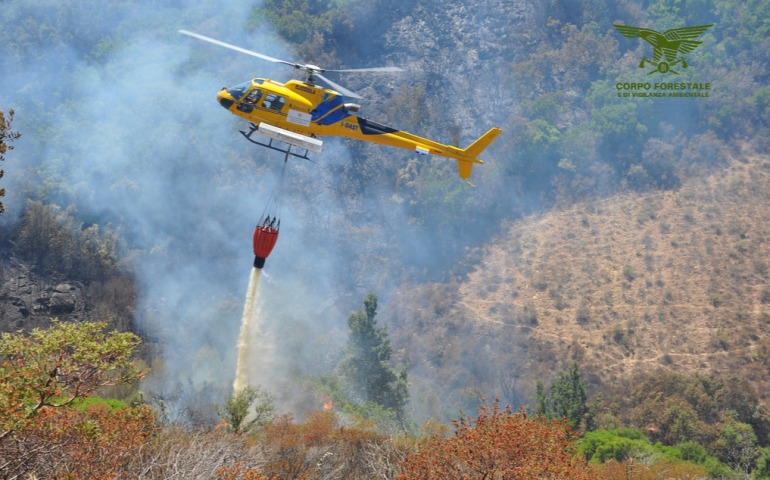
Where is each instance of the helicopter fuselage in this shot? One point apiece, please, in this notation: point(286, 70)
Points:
point(314, 111)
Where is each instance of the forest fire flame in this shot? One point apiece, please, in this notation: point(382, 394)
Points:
point(224, 424)
point(328, 405)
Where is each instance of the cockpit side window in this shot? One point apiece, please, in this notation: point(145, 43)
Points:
point(253, 96)
point(273, 102)
point(238, 90)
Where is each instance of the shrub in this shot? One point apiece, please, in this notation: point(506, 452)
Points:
point(600, 446)
point(764, 295)
point(583, 313)
point(54, 367)
point(94, 442)
point(715, 299)
point(628, 272)
point(501, 444)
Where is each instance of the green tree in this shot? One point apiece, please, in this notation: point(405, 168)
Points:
point(365, 367)
point(600, 446)
point(52, 368)
point(235, 410)
point(737, 445)
point(541, 399)
point(762, 470)
point(6, 135)
point(568, 395)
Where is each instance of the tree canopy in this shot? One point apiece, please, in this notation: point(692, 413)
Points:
point(365, 367)
point(52, 368)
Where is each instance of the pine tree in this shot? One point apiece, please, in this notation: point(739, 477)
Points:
point(541, 399)
point(568, 395)
point(365, 367)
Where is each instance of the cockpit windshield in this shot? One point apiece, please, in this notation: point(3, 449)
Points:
point(239, 90)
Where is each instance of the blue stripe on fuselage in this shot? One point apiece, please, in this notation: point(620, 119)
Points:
point(327, 106)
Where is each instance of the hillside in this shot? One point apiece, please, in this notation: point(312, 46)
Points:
point(626, 285)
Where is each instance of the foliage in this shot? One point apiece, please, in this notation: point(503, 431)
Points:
point(95, 442)
point(235, 410)
point(646, 470)
point(629, 450)
point(82, 404)
point(52, 368)
point(762, 470)
point(599, 446)
point(316, 27)
point(373, 412)
point(681, 408)
point(736, 446)
point(55, 242)
point(299, 20)
point(568, 396)
point(541, 399)
point(365, 368)
point(322, 448)
point(501, 444)
point(6, 136)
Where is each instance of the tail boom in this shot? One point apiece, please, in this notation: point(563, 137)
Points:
point(398, 138)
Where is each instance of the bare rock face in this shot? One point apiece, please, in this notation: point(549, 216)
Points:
point(28, 301)
point(462, 52)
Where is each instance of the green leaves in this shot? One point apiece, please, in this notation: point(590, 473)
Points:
point(568, 395)
point(54, 367)
point(365, 367)
point(235, 410)
point(298, 20)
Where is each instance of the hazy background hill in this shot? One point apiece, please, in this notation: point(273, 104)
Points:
point(627, 285)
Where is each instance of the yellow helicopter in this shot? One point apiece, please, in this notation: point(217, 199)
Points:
point(297, 112)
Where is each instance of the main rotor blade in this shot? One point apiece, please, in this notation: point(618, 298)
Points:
point(339, 88)
point(237, 49)
point(375, 69)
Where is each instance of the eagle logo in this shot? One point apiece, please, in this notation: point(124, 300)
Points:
point(669, 44)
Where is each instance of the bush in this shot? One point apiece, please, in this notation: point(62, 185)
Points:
point(235, 410)
point(95, 441)
point(54, 367)
point(600, 446)
point(583, 313)
point(764, 295)
point(501, 444)
point(628, 272)
point(693, 452)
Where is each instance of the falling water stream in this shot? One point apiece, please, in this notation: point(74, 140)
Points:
point(250, 329)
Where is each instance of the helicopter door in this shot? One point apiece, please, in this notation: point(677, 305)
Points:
point(247, 104)
point(273, 102)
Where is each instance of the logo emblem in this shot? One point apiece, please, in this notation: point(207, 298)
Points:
point(669, 45)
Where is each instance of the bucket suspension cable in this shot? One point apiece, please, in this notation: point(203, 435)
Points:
point(274, 204)
point(266, 231)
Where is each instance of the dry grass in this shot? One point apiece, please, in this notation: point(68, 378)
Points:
point(640, 281)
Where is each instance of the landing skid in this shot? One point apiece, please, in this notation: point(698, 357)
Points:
point(255, 128)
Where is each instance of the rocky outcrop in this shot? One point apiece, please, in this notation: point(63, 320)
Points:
point(28, 300)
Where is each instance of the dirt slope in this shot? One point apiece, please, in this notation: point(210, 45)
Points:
point(640, 280)
point(626, 285)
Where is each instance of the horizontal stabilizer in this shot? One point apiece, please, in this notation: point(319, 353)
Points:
point(478, 146)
